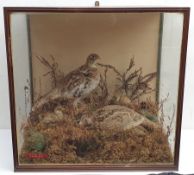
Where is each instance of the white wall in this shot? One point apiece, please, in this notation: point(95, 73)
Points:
point(169, 69)
point(19, 40)
point(188, 112)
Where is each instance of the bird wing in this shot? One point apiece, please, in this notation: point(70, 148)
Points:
point(74, 79)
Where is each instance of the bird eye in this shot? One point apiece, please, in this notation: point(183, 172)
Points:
point(92, 57)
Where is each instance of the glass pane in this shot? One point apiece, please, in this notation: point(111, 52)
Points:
point(96, 87)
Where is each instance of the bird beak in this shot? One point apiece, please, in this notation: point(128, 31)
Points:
point(98, 58)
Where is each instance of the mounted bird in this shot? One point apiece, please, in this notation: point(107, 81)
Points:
point(76, 85)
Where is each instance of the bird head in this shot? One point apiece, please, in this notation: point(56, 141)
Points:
point(91, 60)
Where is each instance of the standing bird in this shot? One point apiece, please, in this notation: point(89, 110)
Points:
point(76, 85)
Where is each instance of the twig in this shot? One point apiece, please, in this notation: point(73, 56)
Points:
point(133, 75)
point(126, 78)
point(131, 64)
point(110, 67)
point(142, 93)
point(148, 77)
point(52, 67)
point(173, 114)
point(169, 127)
point(162, 101)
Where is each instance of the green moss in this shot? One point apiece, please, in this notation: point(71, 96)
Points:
point(68, 142)
point(34, 140)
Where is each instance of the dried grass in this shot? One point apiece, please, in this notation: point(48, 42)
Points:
point(68, 142)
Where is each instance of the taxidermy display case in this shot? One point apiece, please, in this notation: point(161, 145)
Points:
point(96, 88)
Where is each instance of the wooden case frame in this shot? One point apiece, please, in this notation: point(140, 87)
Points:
point(9, 10)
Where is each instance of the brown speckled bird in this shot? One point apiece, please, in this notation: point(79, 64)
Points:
point(76, 85)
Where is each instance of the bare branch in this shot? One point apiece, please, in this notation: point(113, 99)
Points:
point(148, 77)
point(110, 67)
point(142, 93)
point(53, 68)
point(131, 64)
point(133, 75)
